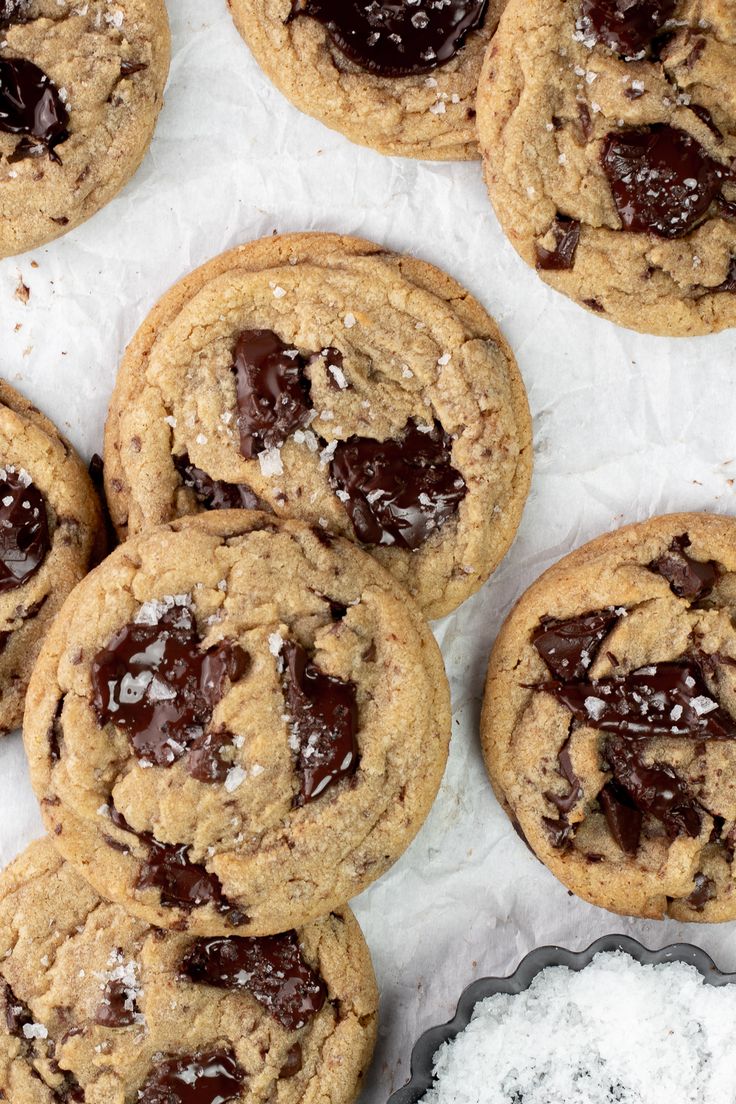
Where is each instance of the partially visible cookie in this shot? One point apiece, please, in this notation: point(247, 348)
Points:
point(400, 77)
point(81, 86)
point(609, 721)
point(236, 724)
point(50, 531)
point(96, 1006)
point(323, 378)
point(608, 133)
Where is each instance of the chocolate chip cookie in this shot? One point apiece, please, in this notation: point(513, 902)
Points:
point(50, 531)
point(81, 86)
point(97, 1006)
point(400, 77)
point(609, 724)
point(608, 131)
point(323, 378)
point(236, 724)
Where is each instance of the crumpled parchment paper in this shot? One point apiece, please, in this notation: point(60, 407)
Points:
point(625, 426)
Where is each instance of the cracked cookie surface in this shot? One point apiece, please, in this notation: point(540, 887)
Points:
point(425, 115)
point(236, 724)
point(609, 144)
point(385, 406)
point(97, 1006)
point(81, 86)
point(50, 531)
point(609, 721)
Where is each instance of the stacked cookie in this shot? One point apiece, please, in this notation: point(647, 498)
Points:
point(240, 718)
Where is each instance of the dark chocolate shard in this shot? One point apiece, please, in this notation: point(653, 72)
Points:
point(624, 819)
point(628, 27)
point(398, 492)
point(560, 830)
point(663, 182)
point(566, 233)
point(704, 891)
point(118, 1007)
point(215, 494)
point(569, 647)
point(688, 578)
point(323, 712)
point(272, 390)
point(24, 529)
point(655, 789)
point(183, 884)
point(271, 968)
point(205, 761)
point(397, 38)
point(205, 1077)
point(153, 681)
point(30, 105)
point(666, 699)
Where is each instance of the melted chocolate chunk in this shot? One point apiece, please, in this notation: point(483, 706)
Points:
point(324, 717)
point(30, 105)
point(271, 968)
point(655, 789)
point(181, 883)
point(729, 284)
point(396, 38)
point(560, 830)
point(622, 816)
point(215, 494)
point(399, 491)
point(688, 578)
point(13, 11)
point(669, 699)
point(154, 682)
point(118, 1007)
point(272, 389)
point(24, 529)
point(292, 1063)
point(569, 647)
point(705, 891)
point(663, 182)
point(205, 761)
point(627, 26)
point(566, 233)
point(207, 1077)
point(17, 1012)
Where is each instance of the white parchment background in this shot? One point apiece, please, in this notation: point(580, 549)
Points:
point(625, 426)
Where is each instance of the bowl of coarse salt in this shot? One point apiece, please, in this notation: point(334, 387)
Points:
point(614, 1024)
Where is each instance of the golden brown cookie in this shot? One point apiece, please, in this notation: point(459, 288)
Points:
point(609, 721)
point(101, 1008)
point(81, 86)
point(323, 378)
point(400, 77)
point(608, 133)
point(236, 724)
point(50, 531)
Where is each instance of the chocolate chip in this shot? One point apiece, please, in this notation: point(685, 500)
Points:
point(153, 681)
point(13, 12)
point(705, 117)
point(569, 647)
point(729, 284)
point(30, 105)
point(324, 717)
point(272, 390)
point(206, 1077)
point(128, 67)
point(663, 182)
point(622, 816)
point(56, 732)
point(17, 1012)
point(271, 968)
point(204, 759)
point(118, 1007)
point(666, 699)
point(725, 208)
point(705, 891)
point(560, 830)
point(655, 789)
point(399, 491)
point(566, 232)
point(400, 38)
point(688, 578)
point(628, 27)
point(292, 1063)
point(215, 494)
point(182, 884)
point(24, 529)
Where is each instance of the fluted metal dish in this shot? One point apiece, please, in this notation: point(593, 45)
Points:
point(536, 961)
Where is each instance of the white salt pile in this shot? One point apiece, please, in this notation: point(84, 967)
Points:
point(616, 1032)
